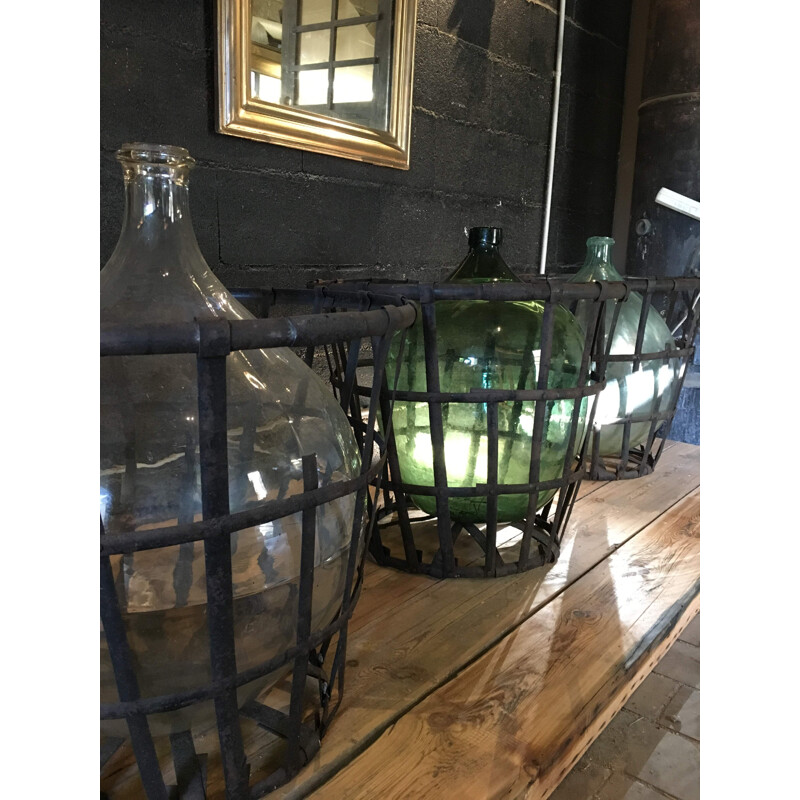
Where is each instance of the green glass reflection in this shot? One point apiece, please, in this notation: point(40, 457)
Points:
point(648, 390)
point(487, 345)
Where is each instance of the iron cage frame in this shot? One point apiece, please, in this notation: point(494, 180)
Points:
point(332, 323)
point(677, 300)
point(541, 533)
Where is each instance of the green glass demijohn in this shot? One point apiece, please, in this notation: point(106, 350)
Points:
point(645, 391)
point(278, 411)
point(486, 345)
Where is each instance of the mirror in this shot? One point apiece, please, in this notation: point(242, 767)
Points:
point(332, 76)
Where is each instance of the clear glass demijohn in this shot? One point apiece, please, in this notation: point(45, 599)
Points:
point(628, 392)
point(278, 411)
point(487, 345)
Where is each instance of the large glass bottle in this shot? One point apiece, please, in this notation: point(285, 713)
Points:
point(278, 411)
point(649, 389)
point(487, 345)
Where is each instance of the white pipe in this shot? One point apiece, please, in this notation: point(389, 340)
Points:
point(551, 158)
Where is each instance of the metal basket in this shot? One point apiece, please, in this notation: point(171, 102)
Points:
point(436, 545)
point(302, 721)
point(677, 300)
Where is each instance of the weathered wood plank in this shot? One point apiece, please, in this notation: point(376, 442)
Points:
point(512, 723)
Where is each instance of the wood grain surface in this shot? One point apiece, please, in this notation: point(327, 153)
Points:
point(512, 723)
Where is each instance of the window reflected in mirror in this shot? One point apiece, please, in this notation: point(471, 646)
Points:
point(330, 57)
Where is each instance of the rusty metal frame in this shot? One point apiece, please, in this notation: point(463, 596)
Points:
point(678, 301)
point(333, 323)
point(541, 532)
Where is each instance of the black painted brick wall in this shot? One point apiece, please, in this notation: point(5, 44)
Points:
point(273, 215)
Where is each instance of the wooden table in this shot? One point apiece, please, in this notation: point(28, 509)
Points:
point(495, 688)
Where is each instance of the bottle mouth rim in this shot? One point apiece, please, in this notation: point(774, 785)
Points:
point(157, 154)
point(485, 234)
point(595, 240)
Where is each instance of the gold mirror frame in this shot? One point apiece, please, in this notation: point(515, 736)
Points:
point(242, 115)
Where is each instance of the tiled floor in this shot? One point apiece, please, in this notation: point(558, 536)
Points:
point(651, 749)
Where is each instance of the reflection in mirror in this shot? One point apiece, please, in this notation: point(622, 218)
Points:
point(331, 58)
point(345, 60)
point(266, 32)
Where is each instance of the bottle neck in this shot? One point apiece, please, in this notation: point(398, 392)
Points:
point(157, 218)
point(597, 264)
point(483, 264)
point(157, 272)
point(598, 253)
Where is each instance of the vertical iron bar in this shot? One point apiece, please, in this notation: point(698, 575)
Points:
point(646, 302)
point(626, 446)
point(594, 468)
point(367, 447)
point(309, 356)
point(546, 349)
point(566, 492)
point(294, 757)
point(437, 438)
point(516, 412)
point(380, 350)
point(127, 685)
point(387, 401)
point(655, 422)
point(602, 366)
point(349, 394)
point(212, 412)
point(403, 519)
point(188, 769)
point(348, 384)
point(672, 303)
point(492, 423)
point(690, 323)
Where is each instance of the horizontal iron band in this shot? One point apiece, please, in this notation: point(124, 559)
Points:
point(424, 428)
point(664, 355)
point(484, 490)
point(542, 289)
point(172, 702)
point(351, 298)
point(502, 395)
point(130, 541)
point(634, 418)
point(253, 334)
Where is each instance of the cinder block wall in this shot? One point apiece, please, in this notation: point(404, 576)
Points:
point(277, 216)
